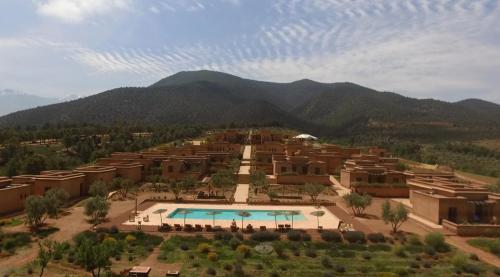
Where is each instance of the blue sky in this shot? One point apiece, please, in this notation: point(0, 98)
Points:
point(444, 49)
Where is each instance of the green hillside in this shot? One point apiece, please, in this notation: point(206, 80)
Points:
point(213, 99)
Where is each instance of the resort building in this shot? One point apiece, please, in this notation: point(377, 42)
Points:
point(13, 195)
point(96, 173)
point(299, 170)
point(374, 175)
point(176, 168)
point(438, 199)
point(72, 182)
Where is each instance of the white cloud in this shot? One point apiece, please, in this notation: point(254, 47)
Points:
point(75, 11)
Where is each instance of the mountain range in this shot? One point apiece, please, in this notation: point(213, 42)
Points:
point(12, 101)
point(214, 98)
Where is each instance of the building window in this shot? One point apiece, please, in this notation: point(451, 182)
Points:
point(395, 180)
point(358, 179)
point(170, 168)
point(283, 169)
point(317, 170)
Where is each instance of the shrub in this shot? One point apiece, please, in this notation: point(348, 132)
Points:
point(427, 265)
point(233, 243)
point(228, 267)
point(306, 237)
point(223, 236)
point(436, 241)
point(473, 269)
point(414, 240)
point(414, 265)
point(376, 237)
point(340, 268)
point(294, 235)
point(326, 262)
point(238, 270)
point(331, 236)
point(212, 256)
point(113, 230)
point(259, 267)
point(279, 249)
point(379, 247)
point(310, 252)
point(348, 254)
point(239, 236)
point(204, 247)
point(328, 274)
point(265, 236)
point(354, 236)
point(496, 270)
point(473, 257)
point(400, 252)
point(429, 251)
point(184, 246)
point(130, 238)
point(244, 250)
point(210, 271)
point(366, 255)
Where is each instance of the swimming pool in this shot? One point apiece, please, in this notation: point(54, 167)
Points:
point(230, 214)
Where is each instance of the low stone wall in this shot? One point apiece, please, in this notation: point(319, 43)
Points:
point(392, 192)
point(472, 230)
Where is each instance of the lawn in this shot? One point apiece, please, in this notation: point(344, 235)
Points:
point(489, 245)
point(228, 254)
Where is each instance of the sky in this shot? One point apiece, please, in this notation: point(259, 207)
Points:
point(442, 49)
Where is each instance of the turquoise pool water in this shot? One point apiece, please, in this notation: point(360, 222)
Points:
point(233, 214)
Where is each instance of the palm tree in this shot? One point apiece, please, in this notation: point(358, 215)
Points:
point(243, 214)
point(292, 213)
point(317, 214)
point(275, 214)
point(160, 211)
point(213, 213)
point(184, 212)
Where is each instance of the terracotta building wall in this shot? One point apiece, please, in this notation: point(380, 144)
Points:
point(13, 198)
point(133, 173)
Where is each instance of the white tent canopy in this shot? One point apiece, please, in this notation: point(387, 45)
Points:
point(306, 137)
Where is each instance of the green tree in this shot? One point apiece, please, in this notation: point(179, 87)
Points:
point(314, 190)
point(124, 186)
point(357, 202)
point(157, 182)
point(97, 208)
point(175, 188)
point(35, 164)
point(94, 258)
point(188, 183)
point(35, 211)
point(258, 180)
point(234, 165)
point(396, 217)
point(99, 188)
point(223, 179)
point(54, 200)
point(45, 255)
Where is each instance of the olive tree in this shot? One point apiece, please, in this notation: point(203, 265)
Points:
point(54, 200)
point(258, 180)
point(314, 190)
point(396, 217)
point(97, 208)
point(35, 211)
point(357, 202)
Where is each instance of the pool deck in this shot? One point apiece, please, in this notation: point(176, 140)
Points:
point(328, 220)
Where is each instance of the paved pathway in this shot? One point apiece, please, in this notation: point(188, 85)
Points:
point(247, 152)
point(341, 190)
point(241, 193)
